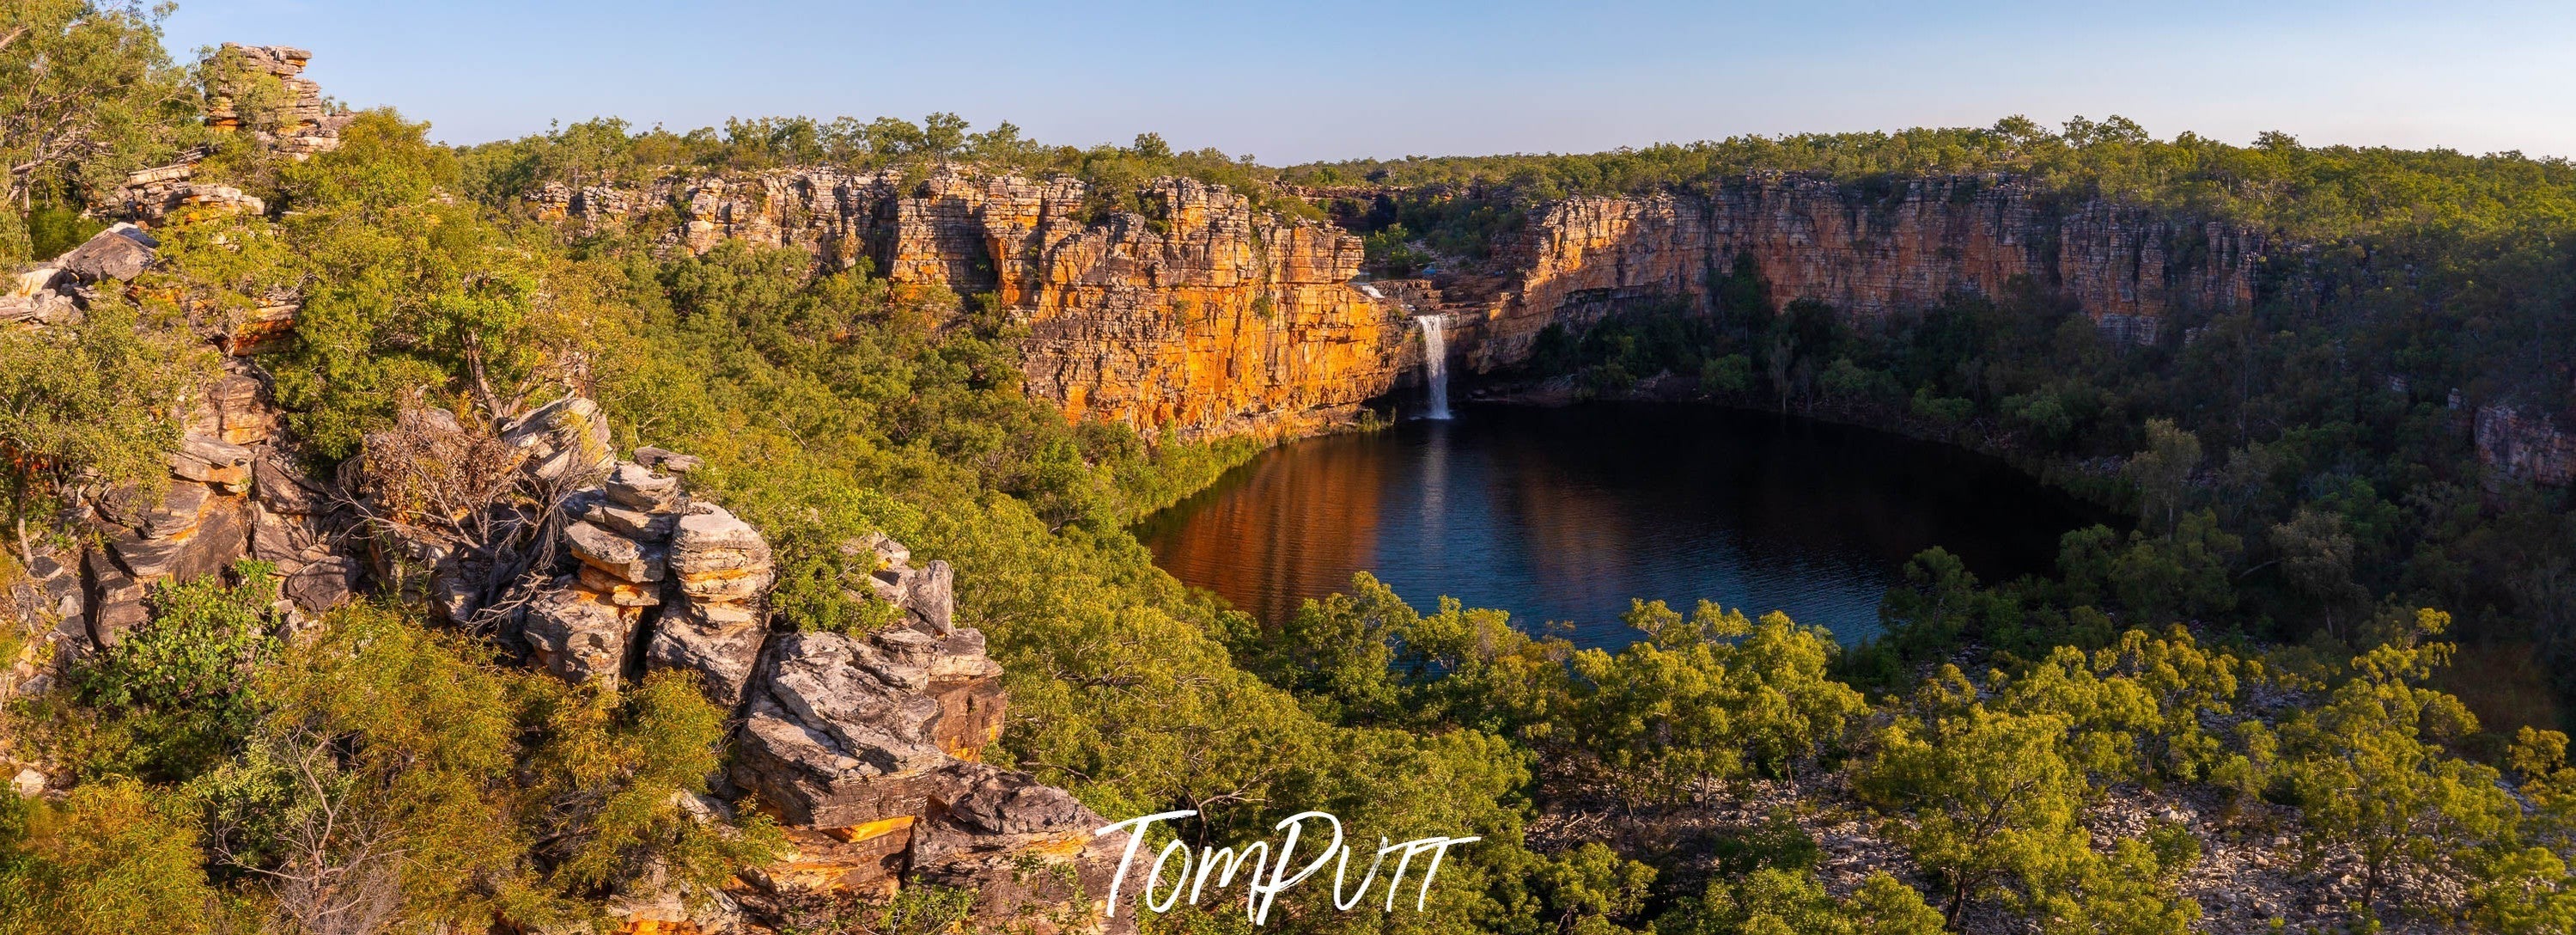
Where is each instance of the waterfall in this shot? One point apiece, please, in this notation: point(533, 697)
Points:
point(1435, 365)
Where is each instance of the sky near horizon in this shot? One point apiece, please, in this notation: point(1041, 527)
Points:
point(1331, 79)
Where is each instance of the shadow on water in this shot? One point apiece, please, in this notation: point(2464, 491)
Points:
point(1565, 514)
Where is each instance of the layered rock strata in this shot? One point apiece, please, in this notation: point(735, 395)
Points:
point(869, 748)
point(301, 125)
point(230, 493)
point(659, 581)
point(1867, 254)
point(1200, 316)
point(296, 122)
point(1204, 317)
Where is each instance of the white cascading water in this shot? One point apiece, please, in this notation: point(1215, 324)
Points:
point(1435, 365)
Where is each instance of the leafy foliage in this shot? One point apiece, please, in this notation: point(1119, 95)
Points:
point(86, 96)
point(91, 402)
point(182, 683)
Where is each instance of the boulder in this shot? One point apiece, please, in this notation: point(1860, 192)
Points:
point(718, 557)
point(44, 307)
point(635, 486)
point(624, 558)
point(576, 634)
point(661, 459)
point(119, 253)
point(281, 488)
point(181, 508)
point(838, 733)
point(322, 583)
point(1000, 826)
point(636, 525)
point(566, 440)
point(236, 411)
point(205, 540)
point(615, 590)
point(719, 641)
point(928, 595)
point(208, 459)
point(116, 601)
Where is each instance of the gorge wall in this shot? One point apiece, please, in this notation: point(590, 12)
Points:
point(1868, 254)
point(1201, 317)
point(1206, 317)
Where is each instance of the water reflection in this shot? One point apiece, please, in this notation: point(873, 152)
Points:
point(1566, 514)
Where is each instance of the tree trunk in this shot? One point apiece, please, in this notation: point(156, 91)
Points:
point(18, 511)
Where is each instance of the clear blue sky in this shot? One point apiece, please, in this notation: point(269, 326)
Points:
point(1328, 79)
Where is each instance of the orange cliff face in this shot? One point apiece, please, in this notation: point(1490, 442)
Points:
point(1866, 254)
point(1206, 318)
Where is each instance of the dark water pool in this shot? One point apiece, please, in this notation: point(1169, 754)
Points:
point(1564, 514)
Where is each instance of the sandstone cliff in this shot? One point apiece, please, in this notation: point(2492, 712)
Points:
point(1202, 316)
point(1205, 317)
point(1867, 254)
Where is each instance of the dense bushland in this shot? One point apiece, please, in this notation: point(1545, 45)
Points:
point(374, 773)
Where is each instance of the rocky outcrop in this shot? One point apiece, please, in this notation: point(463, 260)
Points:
point(230, 493)
point(1868, 254)
point(155, 193)
point(289, 117)
point(60, 291)
point(639, 575)
point(659, 581)
point(299, 125)
point(1200, 316)
point(2514, 446)
point(868, 747)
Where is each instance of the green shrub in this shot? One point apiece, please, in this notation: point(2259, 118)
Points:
point(181, 685)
